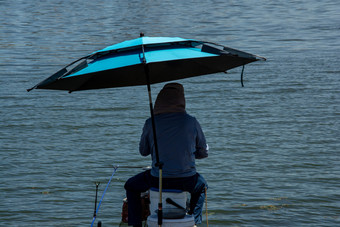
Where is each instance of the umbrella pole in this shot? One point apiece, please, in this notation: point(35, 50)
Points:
point(158, 163)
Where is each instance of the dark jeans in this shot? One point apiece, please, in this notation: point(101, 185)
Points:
point(144, 181)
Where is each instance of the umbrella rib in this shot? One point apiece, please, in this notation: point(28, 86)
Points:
point(56, 76)
point(225, 48)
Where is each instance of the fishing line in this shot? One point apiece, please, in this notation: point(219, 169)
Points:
point(206, 206)
point(94, 218)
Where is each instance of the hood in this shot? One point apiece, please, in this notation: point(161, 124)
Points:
point(170, 99)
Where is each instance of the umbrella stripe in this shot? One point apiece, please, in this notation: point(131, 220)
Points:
point(142, 41)
point(130, 58)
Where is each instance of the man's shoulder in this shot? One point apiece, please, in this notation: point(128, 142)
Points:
point(175, 115)
point(190, 117)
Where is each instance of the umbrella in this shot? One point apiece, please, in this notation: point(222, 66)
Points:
point(145, 61)
point(123, 64)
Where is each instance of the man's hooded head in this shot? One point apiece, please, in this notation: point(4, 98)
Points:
point(170, 99)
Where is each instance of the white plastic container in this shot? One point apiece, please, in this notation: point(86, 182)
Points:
point(178, 197)
point(187, 221)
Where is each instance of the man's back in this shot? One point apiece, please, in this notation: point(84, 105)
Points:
point(180, 140)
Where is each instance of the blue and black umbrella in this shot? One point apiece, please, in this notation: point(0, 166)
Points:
point(162, 58)
point(145, 61)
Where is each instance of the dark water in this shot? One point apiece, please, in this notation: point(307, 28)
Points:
point(274, 157)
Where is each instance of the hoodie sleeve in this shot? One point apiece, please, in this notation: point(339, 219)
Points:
point(201, 145)
point(144, 144)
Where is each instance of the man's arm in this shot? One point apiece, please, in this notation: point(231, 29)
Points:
point(202, 147)
point(144, 144)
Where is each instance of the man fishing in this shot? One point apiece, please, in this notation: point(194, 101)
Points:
point(180, 141)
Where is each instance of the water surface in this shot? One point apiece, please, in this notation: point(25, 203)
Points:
point(274, 158)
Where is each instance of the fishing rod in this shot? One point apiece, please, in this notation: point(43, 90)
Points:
point(127, 167)
point(96, 210)
point(95, 202)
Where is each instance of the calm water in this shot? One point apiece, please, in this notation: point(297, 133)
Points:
point(274, 157)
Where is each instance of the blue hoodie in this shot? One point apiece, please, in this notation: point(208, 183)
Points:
point(180, 140)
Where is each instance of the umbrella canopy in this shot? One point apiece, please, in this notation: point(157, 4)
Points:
point(167, 58)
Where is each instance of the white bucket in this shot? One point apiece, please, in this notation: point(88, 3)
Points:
point(177, 196)
point(187, 221)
